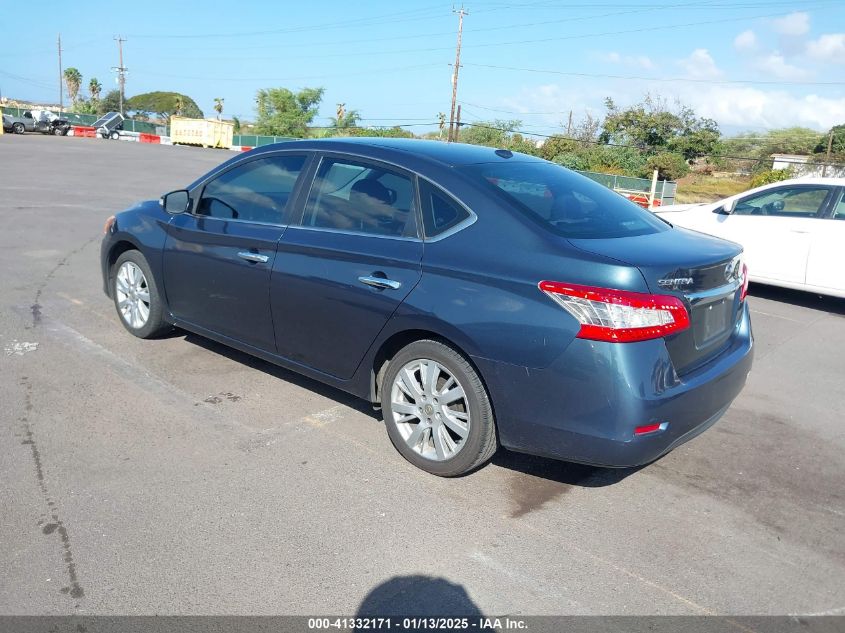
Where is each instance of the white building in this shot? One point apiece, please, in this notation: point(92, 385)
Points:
point(802, 165)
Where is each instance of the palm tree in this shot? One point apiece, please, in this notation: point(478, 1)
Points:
point(218, 106)
point(73, 79)
point(345, 119)
point(441, 123)
point(94, 89)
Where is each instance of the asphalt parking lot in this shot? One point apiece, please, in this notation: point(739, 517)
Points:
point(178, 476)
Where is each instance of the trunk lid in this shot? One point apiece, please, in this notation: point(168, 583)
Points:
point(705, 272)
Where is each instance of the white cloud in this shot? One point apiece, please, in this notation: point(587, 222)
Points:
point(753, 107)
point(775, 65)
point(632, 61)
point(829, 48)
point(794, 24)
point(700, 65)
point(746, 41)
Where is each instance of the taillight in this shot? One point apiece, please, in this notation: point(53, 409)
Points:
point(744, 292)
point(619, 316)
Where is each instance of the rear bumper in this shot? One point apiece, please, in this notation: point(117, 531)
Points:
point(585, 406)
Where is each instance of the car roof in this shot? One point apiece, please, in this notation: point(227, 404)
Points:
point(449, 154)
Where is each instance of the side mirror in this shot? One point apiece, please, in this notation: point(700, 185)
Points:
point(175, 202)
point(726, 209)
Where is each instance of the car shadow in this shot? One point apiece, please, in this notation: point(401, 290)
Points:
point(551, 470)
point(315, 386)
point(800, 298)
point(557, 471)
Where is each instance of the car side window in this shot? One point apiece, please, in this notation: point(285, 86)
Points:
point(789, 202)
point(361, 198)
point(440, 211)
point(256, 191)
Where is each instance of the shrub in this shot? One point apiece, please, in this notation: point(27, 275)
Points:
point(770, 176)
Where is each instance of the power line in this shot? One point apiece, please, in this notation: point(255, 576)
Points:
point(660, 79)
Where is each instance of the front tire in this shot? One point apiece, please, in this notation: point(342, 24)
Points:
point(437, 411)
point(136, 296)
point(57, 131)
point(114, 136)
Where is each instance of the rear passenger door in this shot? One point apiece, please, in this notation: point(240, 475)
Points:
point(826, 265)
point(217, 259)
point(342, 270)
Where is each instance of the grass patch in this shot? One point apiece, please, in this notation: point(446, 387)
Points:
point(701, 188)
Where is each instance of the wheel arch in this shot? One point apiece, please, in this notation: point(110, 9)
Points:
point(117, 249)
point(401, 339)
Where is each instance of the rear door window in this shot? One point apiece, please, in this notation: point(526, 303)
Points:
point(256, 191)
point(361, 198)
point(564, 202)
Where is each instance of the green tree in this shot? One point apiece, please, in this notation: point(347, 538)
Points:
point(73, 79)
point(94, 89)
point(558, 145)
point(218, 106)
point(757, 148)
point(109, 103)
point(282, 112)
point(838, 146)
point(669, 166)
point(653, 127)
point(236, 125)
point(164, 105)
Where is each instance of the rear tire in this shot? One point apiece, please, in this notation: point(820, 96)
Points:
point(437, 411)
point(136, 296)
point(114, 136)
point(18, 128)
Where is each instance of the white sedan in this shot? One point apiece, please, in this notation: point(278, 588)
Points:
point(793, 231)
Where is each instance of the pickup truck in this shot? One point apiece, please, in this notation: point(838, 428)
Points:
point(42, 121)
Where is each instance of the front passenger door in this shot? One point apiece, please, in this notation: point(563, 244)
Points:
point(217, 260)
point(776, 227)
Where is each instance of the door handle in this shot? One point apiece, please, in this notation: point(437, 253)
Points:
point(255, 258)
point(380, 282)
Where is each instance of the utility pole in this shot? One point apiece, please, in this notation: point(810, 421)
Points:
point(121, 70)
point(829, 147)
point(569, 125)
point(453, 133)
point(457, 136)
point(61, 79)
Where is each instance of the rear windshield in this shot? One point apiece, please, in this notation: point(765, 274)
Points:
point(565, 202)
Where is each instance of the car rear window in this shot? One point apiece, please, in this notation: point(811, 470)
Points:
point(564, 202)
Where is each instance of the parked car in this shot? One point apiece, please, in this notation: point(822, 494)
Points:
point(480, 297)
point(793, 231)
point(42, 121)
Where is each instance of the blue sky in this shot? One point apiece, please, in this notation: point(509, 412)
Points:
point(750, 64)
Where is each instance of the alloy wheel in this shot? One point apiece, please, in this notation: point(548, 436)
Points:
point(430, 409)
point(133, 295)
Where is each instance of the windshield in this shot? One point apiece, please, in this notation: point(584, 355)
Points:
point(566, 203)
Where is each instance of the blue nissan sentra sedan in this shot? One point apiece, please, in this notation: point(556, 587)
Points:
point(480, 297)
